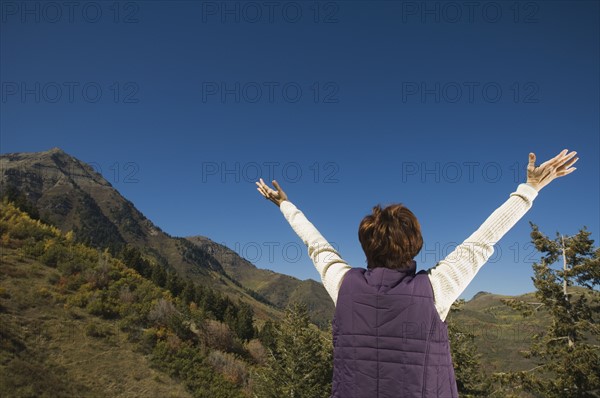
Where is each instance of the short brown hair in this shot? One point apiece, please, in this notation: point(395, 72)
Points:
point(390, 237)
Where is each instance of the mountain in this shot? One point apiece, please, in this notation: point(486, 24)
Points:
point(278, 289)
point(71, 195)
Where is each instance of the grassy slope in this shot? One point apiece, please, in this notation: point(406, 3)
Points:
point(46, 350)
point(502, 333)
point(72, 196)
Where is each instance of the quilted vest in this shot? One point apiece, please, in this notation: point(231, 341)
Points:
point(389, 341)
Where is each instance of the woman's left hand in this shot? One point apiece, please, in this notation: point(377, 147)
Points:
point(276, 197)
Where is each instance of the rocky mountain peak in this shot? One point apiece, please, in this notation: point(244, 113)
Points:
point(71, 195)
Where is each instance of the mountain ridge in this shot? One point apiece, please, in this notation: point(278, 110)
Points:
point(71, 195)
point(277, 288)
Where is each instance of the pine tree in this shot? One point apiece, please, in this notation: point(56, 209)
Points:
point(230, 316)
point(19, 199)
point(567, 354)
point(159, 275)
point(470, 380)
point(301, 365)
point(267, 336)
point(132, 257)
point(244, 325)
point(189, 292)
point(173, 283)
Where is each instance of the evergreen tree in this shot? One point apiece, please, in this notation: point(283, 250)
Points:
point(267, 336)
point(13, 194)
point(173, 283)
point(132, 257)
point(470, 380)
point(230, 316)
point(244, 325)
point(301, 365)
point(189, 293)
point(206, 299)
point(567, 354)
point(220, 306)
point(159, 275)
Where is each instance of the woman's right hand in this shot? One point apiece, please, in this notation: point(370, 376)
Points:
point(558, 166)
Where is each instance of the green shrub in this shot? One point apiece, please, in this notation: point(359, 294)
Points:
point(33, 247)
point(70, 267)
point(101, 304)
point(54, 278)
point(188, 364)
point(94, 329)
point(54, 253)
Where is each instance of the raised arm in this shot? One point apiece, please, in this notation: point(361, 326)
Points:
point(326, 259)
point(451, 276)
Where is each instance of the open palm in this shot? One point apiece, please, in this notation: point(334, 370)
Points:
point(276, 197)
point(560, 165)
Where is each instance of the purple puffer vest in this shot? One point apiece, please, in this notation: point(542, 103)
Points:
point(389, 341)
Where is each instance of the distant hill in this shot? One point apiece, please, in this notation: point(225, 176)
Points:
point(501, 333)
point(71, 195)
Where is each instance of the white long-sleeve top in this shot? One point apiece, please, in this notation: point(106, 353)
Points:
point(450, 277)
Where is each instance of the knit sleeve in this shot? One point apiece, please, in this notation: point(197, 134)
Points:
point(450, 277)
point(326, 259)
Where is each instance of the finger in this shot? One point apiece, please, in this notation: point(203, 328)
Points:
point(568, 157)
point(551, 163)
point(559, 158)
point(569, 164)
point(565, 172)
point(554, 159)
point(276, 184)
point(561, 163)
point(263, 185)
point(531, 164)
point(266, 191)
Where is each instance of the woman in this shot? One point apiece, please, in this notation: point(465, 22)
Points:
point(389, 332)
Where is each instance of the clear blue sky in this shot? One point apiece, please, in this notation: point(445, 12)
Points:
point(182, 105)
